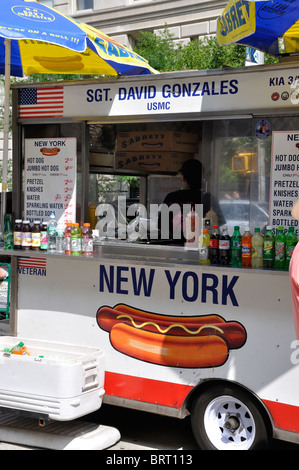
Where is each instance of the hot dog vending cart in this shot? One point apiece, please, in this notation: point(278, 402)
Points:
point(178, 337)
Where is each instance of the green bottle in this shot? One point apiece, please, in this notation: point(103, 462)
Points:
point(269, 248)
point(7, 233)
point(236, 248)
point(280, 248)
point(76, 240)
point(291, 242)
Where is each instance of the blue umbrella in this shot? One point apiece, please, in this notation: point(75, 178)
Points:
point(269, 25)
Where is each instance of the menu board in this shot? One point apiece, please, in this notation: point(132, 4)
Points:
point(50, 179)
point(284, 189)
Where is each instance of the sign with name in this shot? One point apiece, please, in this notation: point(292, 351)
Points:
point(184, 92)
point(284, 178)
point(50, 179)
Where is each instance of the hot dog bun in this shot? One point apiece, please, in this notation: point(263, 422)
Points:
point(175, 351)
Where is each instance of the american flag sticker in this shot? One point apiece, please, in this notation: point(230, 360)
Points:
point(41, 102)
point(32, 266)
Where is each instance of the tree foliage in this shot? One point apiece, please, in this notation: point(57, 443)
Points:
point(166, 55)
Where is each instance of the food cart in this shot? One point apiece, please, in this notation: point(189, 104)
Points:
point(237, 375)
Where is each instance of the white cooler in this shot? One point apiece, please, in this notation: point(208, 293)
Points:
point(61, 381)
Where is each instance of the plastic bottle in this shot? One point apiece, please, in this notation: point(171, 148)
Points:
point(35, 236)
point(269, 248)
point(26, 240)
point(291, 242)
point(67, 238)
point(214, 245)
point(224, 247)
point(44, 236)
point(60, 239)
point(192, 229)
point(257, 256)
point(280, 249)
point(246, 247)
point(19, 349)
point(204, 246)
point(17, 234)
point(52, 227)
point(76, 240)
point(92, 219)
point(87, 240)
point(236, 248)
point(7, 233)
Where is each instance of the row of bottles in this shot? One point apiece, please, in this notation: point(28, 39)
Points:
point(48, 237)
point(256, 251)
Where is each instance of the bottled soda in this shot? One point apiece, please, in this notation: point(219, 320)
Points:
point(214, 245)
point(269, 248)
point(236, 248)
point(257, 249)
point(67, 238)
point(7, 233)
point(280, 248)
point(203, 246)
point(76, 240)
point(17, 234)
point(52, 227)
point(87, 240)
point(26, 240)
point(60, 239)
point(35, 236)
point(246, 247)
point(44, 236)
point(291, 242)
point(224, 247)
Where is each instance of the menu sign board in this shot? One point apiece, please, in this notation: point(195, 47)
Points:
point(50, 179)
point(284, 178)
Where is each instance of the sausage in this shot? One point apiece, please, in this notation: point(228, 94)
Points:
point(175, 351)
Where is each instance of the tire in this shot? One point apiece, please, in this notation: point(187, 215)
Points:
point(225, 417)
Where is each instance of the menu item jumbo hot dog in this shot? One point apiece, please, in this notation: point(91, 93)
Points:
point(232, 332)
point(175, 351)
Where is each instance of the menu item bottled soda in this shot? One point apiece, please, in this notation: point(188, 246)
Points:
point(52, 227)
point(236, 248)
point(87, 240)
point(291, 242)
point(214, 245)
point(35, 236)
point(76, 240)
point(257, 249)
point(44, 236)
point(203, 246)
point(67, 238)
point(246, 247)
point(17, 234)
point(269, 248)
point(224, 247)
point(26, 235)
point(7, 233)
point(280, 248)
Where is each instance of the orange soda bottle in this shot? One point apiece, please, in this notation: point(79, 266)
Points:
point(246, 247)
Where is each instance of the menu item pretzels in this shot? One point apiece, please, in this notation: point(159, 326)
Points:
point(193, 341)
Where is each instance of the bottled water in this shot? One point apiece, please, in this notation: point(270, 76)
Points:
point(52, 227)
point(60, 239)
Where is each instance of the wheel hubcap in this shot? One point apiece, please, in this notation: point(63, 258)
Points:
point(229, 424)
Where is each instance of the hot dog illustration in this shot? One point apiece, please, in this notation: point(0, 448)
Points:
point(62, 64)
point(50, 151)
point(193, 341)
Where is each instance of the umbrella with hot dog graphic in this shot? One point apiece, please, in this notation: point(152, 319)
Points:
point(189, 341)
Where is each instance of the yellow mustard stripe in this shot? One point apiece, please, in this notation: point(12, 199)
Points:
point(174, 325)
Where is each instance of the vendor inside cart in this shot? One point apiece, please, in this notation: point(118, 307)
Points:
point(171, 222)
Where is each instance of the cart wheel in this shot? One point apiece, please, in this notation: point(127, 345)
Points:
point(225, 418)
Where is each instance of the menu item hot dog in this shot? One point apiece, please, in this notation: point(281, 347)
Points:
point(231, 332)
point(175, 351)
point(50, 151)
